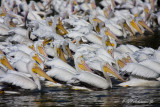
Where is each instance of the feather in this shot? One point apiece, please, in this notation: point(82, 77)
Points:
point(140, 70)
point(18, 79)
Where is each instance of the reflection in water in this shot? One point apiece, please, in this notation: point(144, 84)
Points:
point(117, 96)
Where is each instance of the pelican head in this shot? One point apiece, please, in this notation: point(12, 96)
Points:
point(36, 57)
point(108, 32)
point(124, 24)
point(60, 53)
point(39, 47)
point(135, 26)
point(5, 62)
point(108, 68)
point(46, 41)
point(32, 47)
point(110, 51)
point(66, 49)
point(60, 28)
point(36, 69)
point(121, 61)
point(33, 68)
point(49, 21)
point(41, 50)
point(80, 63)
point(106, 41)
point(143, 24)
point(1, 52)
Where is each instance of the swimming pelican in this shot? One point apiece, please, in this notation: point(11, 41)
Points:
point(19, 79)
point(95, 80)
point(140, 75)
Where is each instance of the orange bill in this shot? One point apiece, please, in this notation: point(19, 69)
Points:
point(93, 4)
point(69, 52)
point(61, 55)
point(40, 72)
point(110, 51)
point(1, 52)
point(134, 25)
point(32, 47)
point(97, 20)
point(142, 23)
point(121, 63)
point(128, 28)
point(109, 33)
point(108, 68)
point(84, 66)
point(6, 63)
point(37, 59)
point(42, 51)
point(46, 41)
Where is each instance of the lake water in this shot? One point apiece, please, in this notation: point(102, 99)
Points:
point(117, 96)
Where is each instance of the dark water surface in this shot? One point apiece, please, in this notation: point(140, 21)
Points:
point(118, 96)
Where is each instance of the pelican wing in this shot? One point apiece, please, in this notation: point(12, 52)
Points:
point(140, 70)
point(92, 79)
point(60, 74)
point(139, 82)
point(152, 65)
point(60, 64)
point(17, 79)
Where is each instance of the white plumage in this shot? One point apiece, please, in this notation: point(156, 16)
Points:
point(56, 62)
point(140, 70)
point(134, 82)
point(92, 79)
point(60, 74)
point(152, 64)
point(18, 79)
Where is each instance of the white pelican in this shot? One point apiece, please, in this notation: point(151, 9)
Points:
point(156, 54)
point(58, 63)
point(152, 64)
point(95, 80)
point(143, 54)
point(61, 49)
point(140, 75)
point(60, 74)
point(134, 82)
point(85, 74)
point(124, 49)
point(18, 79)
point(106, 55)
